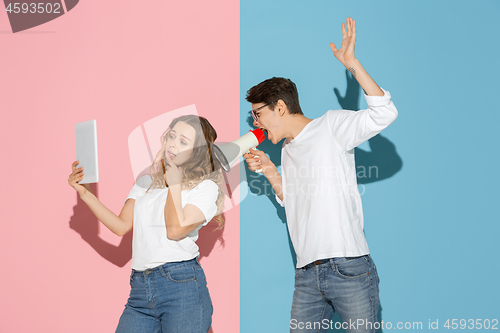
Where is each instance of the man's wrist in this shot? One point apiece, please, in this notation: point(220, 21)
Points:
point(352, 66)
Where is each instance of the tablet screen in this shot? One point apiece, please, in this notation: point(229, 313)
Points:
point(86, 150)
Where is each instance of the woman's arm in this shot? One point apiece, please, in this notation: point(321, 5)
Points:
point(178, 221)
point(346, 56)
point(120, 224)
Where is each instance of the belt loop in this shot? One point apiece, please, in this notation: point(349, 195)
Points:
point(332, 264)
point(162, 272)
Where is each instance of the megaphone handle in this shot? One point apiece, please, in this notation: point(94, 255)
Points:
point(248, 152)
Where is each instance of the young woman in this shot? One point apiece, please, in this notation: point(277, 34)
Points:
point(166, 208)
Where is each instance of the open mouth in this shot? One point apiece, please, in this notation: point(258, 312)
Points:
point(266, 132)
point(171, 155)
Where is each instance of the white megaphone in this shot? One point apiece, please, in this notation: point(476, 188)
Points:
point(229, 153)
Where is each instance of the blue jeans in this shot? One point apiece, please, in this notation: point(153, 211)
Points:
point(172, 298)
point(346, 285)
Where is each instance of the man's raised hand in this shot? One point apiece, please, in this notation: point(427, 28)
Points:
point(346, 52)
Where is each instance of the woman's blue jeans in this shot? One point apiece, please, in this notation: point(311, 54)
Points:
point(172, 298)
point(346, 285)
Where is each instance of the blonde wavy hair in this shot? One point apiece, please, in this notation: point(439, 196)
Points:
point(201, 166)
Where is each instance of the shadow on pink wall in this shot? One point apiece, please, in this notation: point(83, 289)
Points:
point(86, 224)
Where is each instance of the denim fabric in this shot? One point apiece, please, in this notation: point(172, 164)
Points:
point(172, 298)
point(346, 285)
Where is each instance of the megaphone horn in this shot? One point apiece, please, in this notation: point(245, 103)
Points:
point(229, 153)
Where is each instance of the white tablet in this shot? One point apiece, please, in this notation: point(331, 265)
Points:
point(86, 150)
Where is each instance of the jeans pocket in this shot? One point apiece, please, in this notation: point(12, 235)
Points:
point(376, 273)
point(299, 271)
point(182, 274)
point(354, 268)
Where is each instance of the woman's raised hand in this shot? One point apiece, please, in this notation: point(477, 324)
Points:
point(75, 177)
point(173, 174)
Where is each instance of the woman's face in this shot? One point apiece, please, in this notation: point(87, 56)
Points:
point(180, 143)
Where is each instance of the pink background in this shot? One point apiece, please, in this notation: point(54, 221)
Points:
point(121, 63)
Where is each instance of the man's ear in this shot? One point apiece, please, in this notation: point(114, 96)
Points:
point(282, 108)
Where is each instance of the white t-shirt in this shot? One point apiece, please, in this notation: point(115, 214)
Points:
point(320, 193)
point(150, 245)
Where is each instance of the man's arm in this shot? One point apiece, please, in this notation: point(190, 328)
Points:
point(274, 178)
point(353, 128)
point(256, 160)
point(346, 56)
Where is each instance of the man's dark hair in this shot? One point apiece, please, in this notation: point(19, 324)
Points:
point(274, 89)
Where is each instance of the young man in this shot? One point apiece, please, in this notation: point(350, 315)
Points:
point(318, 189)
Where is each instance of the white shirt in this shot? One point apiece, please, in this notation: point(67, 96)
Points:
point(320, 193)
point(150, 245)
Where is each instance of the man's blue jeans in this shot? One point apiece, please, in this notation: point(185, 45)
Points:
point(346, 285)
point(172, 298)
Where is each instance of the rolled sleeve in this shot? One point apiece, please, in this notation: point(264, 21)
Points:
point(352, 128)
point(375, 101)
point(281, 202)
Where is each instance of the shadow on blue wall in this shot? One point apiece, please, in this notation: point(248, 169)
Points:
point(383, 157)
point(380, 163)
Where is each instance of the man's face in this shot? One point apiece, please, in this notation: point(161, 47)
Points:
point(267, 121)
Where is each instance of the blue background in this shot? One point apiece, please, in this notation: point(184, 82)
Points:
point(431, 215)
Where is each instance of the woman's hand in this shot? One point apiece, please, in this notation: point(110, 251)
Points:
point(75, 177)
point(119, 225)
point(346, 52)
point(173, 173)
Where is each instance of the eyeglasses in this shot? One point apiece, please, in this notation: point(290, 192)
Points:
point(254, 112)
